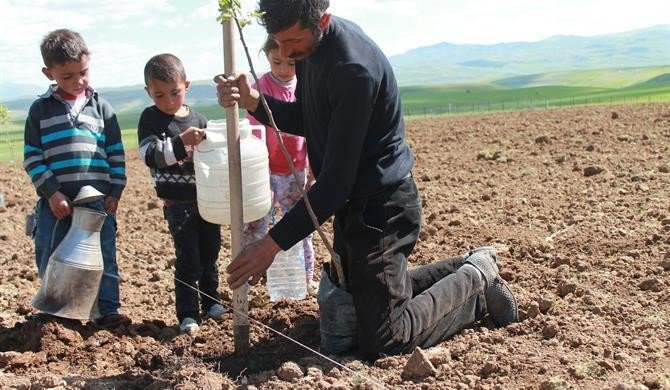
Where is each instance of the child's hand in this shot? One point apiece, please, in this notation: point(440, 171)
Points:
point(60, 205)
point(192, 136)
point(111, 204)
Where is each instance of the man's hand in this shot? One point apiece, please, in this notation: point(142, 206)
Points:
point(252, 262)
point(111, 204)
point(235, 89)
point(60, 205)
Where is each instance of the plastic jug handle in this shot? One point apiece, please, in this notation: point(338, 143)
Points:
point(205, 142)
point(258, 129)
point(211, 138)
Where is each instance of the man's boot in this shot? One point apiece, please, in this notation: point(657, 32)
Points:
point(500, 301)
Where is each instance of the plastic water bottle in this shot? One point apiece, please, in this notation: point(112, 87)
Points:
point(286, 276)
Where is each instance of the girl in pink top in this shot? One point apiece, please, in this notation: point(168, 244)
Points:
point(280, 83)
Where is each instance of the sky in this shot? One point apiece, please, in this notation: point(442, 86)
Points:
point(123, 34)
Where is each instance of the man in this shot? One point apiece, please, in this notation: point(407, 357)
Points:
point(348, 109)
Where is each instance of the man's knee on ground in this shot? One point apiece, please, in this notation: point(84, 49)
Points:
point(371, 347)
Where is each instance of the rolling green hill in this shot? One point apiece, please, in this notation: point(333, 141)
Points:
point(129, 101)
point(551, 61)
point(605, 78)
point(606, 86)
point(448, 63)
point(449, 99)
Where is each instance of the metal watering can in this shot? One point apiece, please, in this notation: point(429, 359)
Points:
point(72, 277)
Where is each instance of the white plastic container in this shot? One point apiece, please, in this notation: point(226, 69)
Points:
point(286, 276)
point(210, 159)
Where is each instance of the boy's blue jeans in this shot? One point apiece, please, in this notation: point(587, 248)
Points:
point(49, 232)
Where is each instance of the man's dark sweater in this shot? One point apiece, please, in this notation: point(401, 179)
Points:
point(348, 108)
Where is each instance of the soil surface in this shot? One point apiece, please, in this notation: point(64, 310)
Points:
point(576, 200)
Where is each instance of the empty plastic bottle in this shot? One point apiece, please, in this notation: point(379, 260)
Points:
point(286, 276)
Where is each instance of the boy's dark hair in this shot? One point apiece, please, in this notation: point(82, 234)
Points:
point(164, 67)
point(61, 46)
point(278, 15)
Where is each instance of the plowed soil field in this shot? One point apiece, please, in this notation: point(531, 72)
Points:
point(576, 200)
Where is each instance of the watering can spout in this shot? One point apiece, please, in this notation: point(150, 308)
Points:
point(72, 277)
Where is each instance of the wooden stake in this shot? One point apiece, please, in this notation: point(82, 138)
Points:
point(240, 294)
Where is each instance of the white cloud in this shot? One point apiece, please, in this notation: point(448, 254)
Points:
point(398, 27)
point(117, 63)
point(206, 11)
point(123, 34)
point(25, 23)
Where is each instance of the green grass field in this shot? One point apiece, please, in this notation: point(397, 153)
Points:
point(599, 78)
point(483, 98)
point(11, 141)
point(11, 134)
point(425, 101)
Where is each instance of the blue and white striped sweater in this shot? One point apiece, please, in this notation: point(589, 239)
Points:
point(64, 153)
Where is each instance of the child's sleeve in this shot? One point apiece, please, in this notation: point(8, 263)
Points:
point(43, 179)
point(156, 149)
point(115, 153)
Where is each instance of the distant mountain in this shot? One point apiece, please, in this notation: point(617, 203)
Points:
point(128, 99)
point(448, 63)
point(608, 61)
point(11, 91)
point(135, 98)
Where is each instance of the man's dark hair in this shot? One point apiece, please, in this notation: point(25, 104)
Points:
point(61, 46)
point(278, 15)
point(164, 67)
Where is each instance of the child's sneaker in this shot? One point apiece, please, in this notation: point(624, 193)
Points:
point(189, 325)
point(216, 312)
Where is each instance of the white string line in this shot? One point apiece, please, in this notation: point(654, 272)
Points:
point(266, 326)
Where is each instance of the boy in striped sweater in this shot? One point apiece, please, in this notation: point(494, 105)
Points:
point(72, 139)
